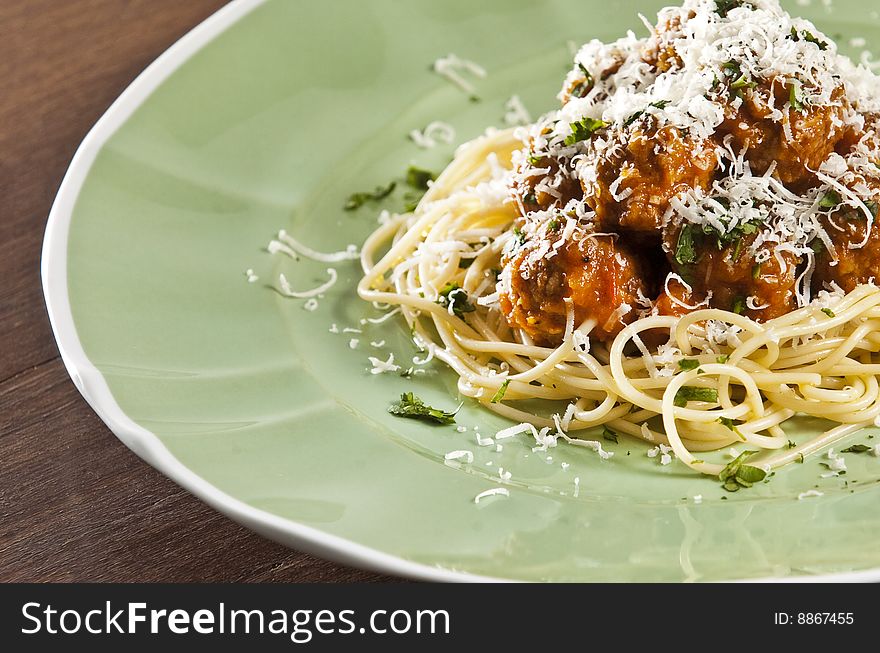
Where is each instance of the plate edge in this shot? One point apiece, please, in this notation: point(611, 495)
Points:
point(93, 386)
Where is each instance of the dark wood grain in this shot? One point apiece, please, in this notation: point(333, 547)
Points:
point(75, 504)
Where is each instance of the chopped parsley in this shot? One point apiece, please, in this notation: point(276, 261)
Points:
point(582, 88)
point(685, 250)
point(534, 159)
point(857, 448)
point(737, 475)
point(691, 393)
point(830, 200)
point(733, 426)
point(660, 104)
point(809, 37)
point(553, 225)
point(796, 97)
point(721, 360)
point(723, 7)
point(455, 296)
point(687, 364)
point(413, 407)
point(756, 271)
point(610, 435)
point(738, 79)
point(739, 306)
point(584, 129)
point(693, 237)
point(357, 200)
point(418, 178)
point(829, 312)
point(501, 392)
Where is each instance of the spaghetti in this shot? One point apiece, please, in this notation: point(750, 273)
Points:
point(721, 379)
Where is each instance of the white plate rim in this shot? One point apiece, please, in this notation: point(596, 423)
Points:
point(93, 386)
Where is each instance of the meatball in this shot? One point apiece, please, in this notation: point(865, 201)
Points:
point(598, 273)
point(653, 167)
point(726, 269)
point(531, 198)
point(854, 263)
point(815, 132)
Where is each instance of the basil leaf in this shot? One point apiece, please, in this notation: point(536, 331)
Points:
point(609, 435)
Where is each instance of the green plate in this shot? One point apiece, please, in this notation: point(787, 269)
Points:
point(267, 116)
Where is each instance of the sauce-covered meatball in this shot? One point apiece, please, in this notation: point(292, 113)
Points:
point(598, 274)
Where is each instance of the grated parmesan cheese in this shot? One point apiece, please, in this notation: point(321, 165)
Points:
point(382, 367)
point(494, 492)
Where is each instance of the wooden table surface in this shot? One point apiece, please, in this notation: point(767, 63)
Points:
point(75, 504)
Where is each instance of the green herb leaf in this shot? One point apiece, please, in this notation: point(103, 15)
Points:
point(588, 77)
point(609, 435)
point(731, 486)
point(583, 130)
point(733, 466)
point(809, 37)
point(457, 297)
point(685, 250)
point(660, 104)
point(796, 97)
point(738, 475)
point(750, 474)
point(722, 360)
point(688, 364)
point(553, 225)
point(419, 178)
point(357, 200)
point(691, 393)
point(857, 448)
point(756, 271)
point(413, 407)
point(739, 306)
point(501, 392)
point(829, 312)
point(723, 7)
point(733, 426)
point(830, 200)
